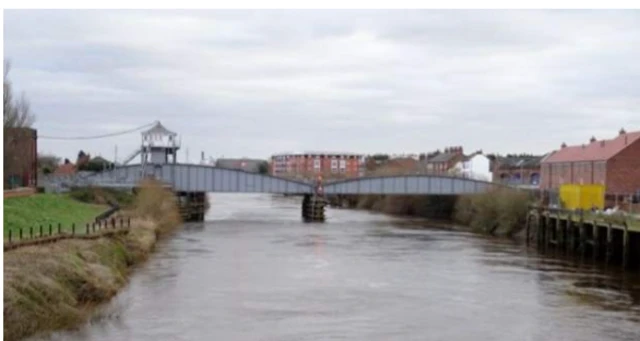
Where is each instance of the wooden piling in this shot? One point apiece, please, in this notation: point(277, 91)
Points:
point(625, 246)
point(596, 241)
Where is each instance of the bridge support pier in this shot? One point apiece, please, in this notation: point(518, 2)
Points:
point(192, 205)
point(313, 208)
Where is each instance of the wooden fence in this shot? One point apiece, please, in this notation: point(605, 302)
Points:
point(48, 234)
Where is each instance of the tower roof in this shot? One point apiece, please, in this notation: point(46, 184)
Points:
point(159, 129)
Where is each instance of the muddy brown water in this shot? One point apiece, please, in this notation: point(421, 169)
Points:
point(254, 271)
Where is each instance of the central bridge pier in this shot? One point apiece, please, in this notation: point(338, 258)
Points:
point(192, 205)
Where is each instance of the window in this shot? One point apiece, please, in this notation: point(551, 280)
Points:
point(334, 164)
point(316, 163)
point(343, 164)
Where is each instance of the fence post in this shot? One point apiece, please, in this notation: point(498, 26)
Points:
point(128, 222)
point(9, 236)
point(121, 222)
point(30, 232)
point(40, 230)
point(59, 228)
point(93, 227)
point(20, 232)
point(73, 229)
point(113, 223)
point(50, 230)
point(87, 228)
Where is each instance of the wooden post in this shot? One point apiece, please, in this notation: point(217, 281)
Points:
point(526, 229)
point(609, 251)
point(87, 228)
point(9, 236)
point(571, 242)
point(40, 230)
point(20, 233)
point(596, 242)
point(59, 228)
point(583, 239)
point(30, 232)
point(625, 246)
point(73, 229)
point(50, 230)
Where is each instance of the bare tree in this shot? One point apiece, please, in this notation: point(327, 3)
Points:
point(47, 163)
point(17, 112)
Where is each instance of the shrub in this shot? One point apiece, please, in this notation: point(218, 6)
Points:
point(500, 211)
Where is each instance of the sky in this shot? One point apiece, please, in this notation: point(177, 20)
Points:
point(254, 83)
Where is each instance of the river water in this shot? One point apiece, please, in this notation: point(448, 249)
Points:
point(254, 271)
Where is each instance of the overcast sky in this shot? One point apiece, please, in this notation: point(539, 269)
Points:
point(254, 83)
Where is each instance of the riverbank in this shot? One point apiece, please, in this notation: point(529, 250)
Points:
point(56, 286)
point(499, 212)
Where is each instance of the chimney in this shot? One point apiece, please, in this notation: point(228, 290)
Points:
point(593, 139)
point(622, 131)
point(563, 145)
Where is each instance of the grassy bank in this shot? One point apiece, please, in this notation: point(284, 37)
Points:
point(55, 286)
point(499, 212)
point(45, 209)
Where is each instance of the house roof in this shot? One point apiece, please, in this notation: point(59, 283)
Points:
point(594, 151)
point(65, 169)
point(443, 157)
point(159, 129)
point(99, 159)
point(519, 161)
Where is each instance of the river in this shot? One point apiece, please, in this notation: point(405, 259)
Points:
point(254, 271)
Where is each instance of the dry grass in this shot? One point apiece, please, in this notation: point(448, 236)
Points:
point(54, 286)
point(500, 211)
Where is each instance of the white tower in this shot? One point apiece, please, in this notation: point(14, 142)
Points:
point(159, 146)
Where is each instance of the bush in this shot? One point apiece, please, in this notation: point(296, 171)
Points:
point(96, 195)
point(157, 203)
point(500, 211)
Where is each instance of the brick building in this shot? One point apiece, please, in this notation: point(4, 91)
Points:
point(521, 170)
point(20, 157)
point(614, 163)
point(311, 164)
point(441, 163)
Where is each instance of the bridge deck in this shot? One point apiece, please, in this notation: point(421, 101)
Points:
point(203, 178)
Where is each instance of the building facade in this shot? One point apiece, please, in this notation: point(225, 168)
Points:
point(517, 170)
point(442, 163)
point(614, 163)
point(475, 166)
point(311, 164)
point(20, 157)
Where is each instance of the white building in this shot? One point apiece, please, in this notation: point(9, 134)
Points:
point(476, 166)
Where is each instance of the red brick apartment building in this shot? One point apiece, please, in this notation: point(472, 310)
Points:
point(614, 163)
point(20, 157)
point(304, 165)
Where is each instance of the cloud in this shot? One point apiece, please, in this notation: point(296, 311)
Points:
point(253, 83)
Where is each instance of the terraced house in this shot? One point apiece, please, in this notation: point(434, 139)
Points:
point(613, 162)
point(517, 170)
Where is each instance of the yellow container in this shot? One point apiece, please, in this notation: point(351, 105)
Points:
point(575, 196)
